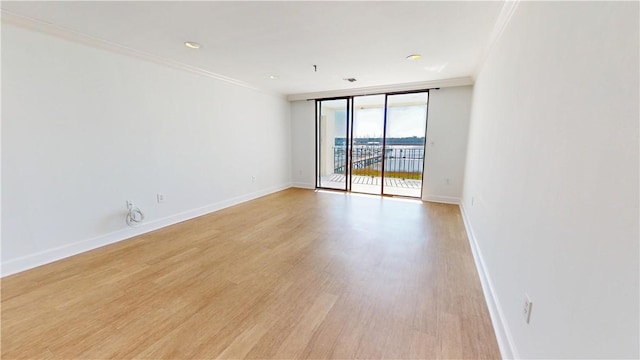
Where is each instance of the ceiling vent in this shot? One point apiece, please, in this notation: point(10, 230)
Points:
point(350, 79)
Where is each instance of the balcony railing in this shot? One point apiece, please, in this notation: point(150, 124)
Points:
point(404, 162)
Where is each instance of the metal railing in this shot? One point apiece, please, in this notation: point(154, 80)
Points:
point(404, 162)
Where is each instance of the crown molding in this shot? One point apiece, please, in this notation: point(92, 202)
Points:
point(507, 11)
point(71, 35)
point(460, 81)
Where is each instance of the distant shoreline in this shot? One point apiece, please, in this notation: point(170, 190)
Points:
point(415, 141)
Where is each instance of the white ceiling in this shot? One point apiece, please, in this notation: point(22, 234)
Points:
point(249, 41)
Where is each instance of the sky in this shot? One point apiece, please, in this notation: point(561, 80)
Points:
point(405, 121)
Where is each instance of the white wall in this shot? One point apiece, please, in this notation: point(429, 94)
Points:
point(303, 143)
point(446, 151)
point(551, 184)
point(85, 129)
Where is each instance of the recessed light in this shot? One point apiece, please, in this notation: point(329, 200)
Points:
point(414, 57)
point(273, 77)
point(192, 45)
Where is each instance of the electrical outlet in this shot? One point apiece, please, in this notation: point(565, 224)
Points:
point(160, 197)
point(253, 179)
point(473, 200)
point(526, 309)
point(129, 205)
point(448, 181)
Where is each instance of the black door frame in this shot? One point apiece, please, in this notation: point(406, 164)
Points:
point(349, 139)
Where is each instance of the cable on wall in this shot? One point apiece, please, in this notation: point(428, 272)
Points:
point(134, 216)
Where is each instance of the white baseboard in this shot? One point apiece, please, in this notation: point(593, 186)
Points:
point(441, 199)
point(303, 185)
point(50, 255)
point(503, 335)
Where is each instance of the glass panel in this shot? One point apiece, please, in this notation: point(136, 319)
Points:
point(368, 129)
point(404, 153)
point(332, 142)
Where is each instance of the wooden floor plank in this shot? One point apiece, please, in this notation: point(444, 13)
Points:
point(296, 274)
point(242, 344)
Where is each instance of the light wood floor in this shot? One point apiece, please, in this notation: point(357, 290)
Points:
point(296, 274)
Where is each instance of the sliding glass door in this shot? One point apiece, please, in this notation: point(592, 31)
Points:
point(332, 160)
point(406, 126)
point(368, 138)
point(372, 144)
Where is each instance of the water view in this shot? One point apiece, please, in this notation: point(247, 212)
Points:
point(404, 157)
